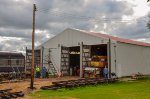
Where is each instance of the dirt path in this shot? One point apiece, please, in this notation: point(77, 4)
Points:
point(23, 85)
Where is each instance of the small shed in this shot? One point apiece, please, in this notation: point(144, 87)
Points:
point(73, 49)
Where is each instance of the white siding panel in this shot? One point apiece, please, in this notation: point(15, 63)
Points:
point(113, 58)
point(132, 59)
point(73, 38)
point(55, 53)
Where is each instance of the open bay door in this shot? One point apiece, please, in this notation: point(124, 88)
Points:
point(65, 60)
point(85, 54)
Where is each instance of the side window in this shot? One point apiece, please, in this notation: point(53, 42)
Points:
point(17, 62)
point(9, 62)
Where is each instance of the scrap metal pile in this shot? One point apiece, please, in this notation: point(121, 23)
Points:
point(6, 94)
point(77, 83)
point(11, 76)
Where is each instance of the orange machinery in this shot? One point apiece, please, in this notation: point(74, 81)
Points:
point(98, 61)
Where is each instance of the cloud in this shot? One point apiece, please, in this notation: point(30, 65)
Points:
point(70, 13)
point(12, 44)
point(16, 15)
point(53, 16)
point(133, 30)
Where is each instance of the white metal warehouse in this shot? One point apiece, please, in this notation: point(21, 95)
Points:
point(125, 57)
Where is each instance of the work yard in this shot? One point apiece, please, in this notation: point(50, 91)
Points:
point(22, 85)
point(135, 89)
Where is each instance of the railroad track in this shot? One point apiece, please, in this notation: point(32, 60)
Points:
point(77, 83)
point(6, 94)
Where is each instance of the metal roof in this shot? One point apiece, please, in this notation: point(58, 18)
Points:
point(5, 54)
point(119, 39)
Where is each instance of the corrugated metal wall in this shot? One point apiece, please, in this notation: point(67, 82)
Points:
point(132, 59)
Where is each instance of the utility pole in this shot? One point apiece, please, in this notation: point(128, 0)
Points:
point(33, 32)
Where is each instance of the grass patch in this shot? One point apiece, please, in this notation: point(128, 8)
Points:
point(139, 89)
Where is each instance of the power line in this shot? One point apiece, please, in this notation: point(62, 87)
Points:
point(64, 14)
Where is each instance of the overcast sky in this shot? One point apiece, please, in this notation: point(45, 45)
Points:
point(122, 18)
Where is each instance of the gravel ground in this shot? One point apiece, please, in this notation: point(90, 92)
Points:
point(24, 84)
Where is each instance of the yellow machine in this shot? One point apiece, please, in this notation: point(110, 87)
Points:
point(98, 61)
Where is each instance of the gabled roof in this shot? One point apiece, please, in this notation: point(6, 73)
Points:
point(123, 40)
point(119, 39)
point(128, 41)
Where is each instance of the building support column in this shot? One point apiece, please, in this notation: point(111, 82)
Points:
point(81, 59)
point(42, 55)
point(109, 58)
